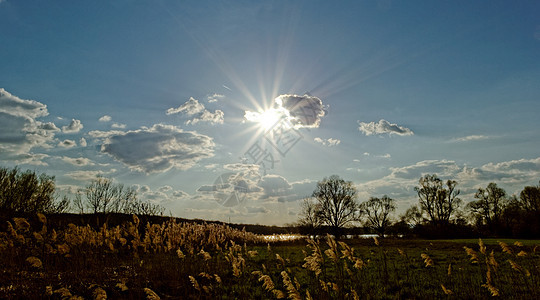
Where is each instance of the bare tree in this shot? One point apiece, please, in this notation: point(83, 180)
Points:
point(490, 205)
point(78, 202)
point(99, 193)
point(413, 216)
point(439, 202)
point(103, 196)
point(377, 211)
point(308, 214)
point(336, 203)
point(530, 198)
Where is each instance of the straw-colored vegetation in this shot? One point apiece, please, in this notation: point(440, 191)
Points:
point(212, 261)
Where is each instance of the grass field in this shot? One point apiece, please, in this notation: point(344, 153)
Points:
point(209, 261)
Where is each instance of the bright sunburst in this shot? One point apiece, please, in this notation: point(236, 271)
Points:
point(265, 119)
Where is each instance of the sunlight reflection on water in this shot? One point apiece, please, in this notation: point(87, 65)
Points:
point(293, 237)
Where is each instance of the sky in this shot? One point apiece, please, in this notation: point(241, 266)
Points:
point(234, 110)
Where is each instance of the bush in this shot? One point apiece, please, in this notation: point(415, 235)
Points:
point(28, 192)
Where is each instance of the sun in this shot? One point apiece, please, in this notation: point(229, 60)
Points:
point(265, 119)
point(269, 118)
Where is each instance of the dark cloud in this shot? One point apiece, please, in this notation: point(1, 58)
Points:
point(274, 185)
point(305, 111)
point(383, 127)
point(159, 148)
point(80, 161)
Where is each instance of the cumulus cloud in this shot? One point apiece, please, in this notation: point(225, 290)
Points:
point(275, 185)
point(300, 111)
point(191, 107)
point(216, 117)
point(67, 144)
point(512, 175)
point(79, 161)
point(305, 111)
point(157, 149)
point(327, 142)
point(383, 127)
point(105, 118)
point(86, 176)
point(198, 112)
point(18, 107)
point(82, 142)
point(522, 171)
point(99, 134)
point(21, 131)
point(73, 127)
point(165, 189)
point(30, 159)
point(118, 126)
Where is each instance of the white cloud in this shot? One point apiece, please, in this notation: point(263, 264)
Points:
point(216, 117)
point(300, 111)
point(194, 109)
point(105, 118)
point(73, 127)
point(86, 176)
point(80, 161)
point(215, 98)
point(383, 127)
point(399, 184)
point(98, 134)
point(16, 106)
point(157, 149)
point(327, 142)
point(67, 144)
point(367, 154)
point(20, 130)
point(470, 138)
point(35, 159)
point(191, 107)
point(165, 189)
point(118, 126)
point(82, 142)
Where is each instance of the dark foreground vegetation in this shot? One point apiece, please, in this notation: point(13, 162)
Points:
point(175, 260)
point(120, 247)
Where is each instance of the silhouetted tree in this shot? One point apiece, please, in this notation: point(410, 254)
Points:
point(377, 211)
point(530, 198)
point(489, 207)
point(28, 192)
point(308, 214)
point(336, 203)
point(438, 201)
point(413, 216)
point(103, 196)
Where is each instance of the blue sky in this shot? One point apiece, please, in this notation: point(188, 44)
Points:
point(170, 95)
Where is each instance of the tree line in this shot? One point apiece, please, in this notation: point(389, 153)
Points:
point(440, 212)
point(29, 192)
